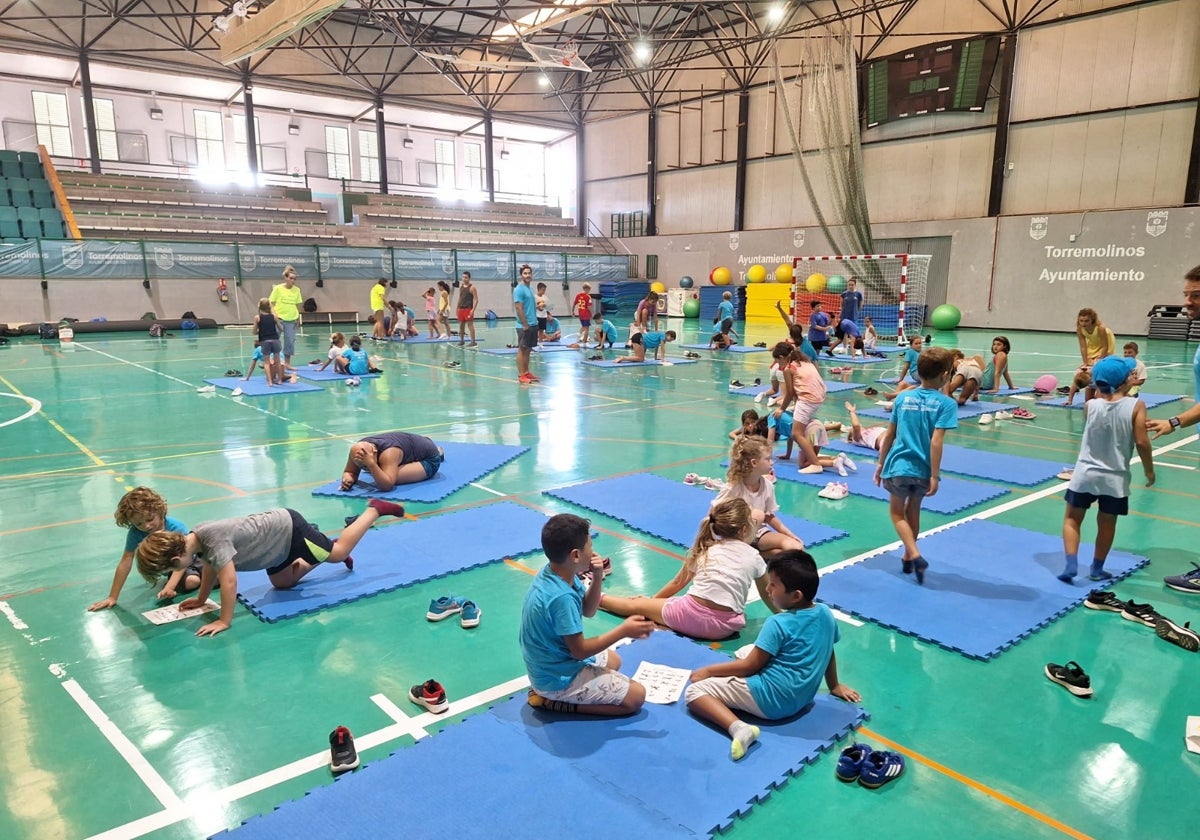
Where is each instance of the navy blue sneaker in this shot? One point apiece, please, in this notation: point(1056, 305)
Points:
point(1187, 582)
point(880, 768)
point(851, 760)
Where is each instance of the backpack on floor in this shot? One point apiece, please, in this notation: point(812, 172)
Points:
point(47, 331)
point(156, 330)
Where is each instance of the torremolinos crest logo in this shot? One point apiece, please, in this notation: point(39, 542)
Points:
point(1039, 226)
point(1156, 222)
point(735, 239)
point(164, 257)
point(247, 259)
point(73, 256)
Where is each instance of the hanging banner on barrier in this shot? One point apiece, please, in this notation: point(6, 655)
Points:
point(266, 262)
point(422, 264)
point(20, 260)
point(186, 260)
point(487, 265)
point(597, 267)
point(99, 258)
point(338, 263)
point(545, 266)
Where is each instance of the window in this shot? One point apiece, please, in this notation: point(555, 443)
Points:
point(473, 162)
point(443, 158)
point(210, 142)
point(106, 129)
point(368, 154)
point(239, 142)
point(53, 126)
point(337, 151)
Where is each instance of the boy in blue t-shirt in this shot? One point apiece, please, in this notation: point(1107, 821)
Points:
point(782, 672)
point(655, 342)
point(910, 454)
point(908, 374)
point(606, 332)
point(724, 308)
point(359, 364)
point(141, 511)
point(569, 672)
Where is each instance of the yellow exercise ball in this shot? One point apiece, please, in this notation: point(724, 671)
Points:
point(783, 273)
point(756, 274)
point(658, 288)
point(816, 283)
point(720, 276)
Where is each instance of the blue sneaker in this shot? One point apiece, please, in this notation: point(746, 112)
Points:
point(444, 607)
point(1188, 582)
point(881, 767)
point(850, 762)
point(470, 614)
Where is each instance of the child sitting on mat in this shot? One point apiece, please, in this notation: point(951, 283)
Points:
point(752, 425)
point(997, 368)
point(909, 377)
point(1114, 424)
point(570, 672)
point(720, 568)
point(281, 542)
point(750, 463)
point(142, 511)
point(337, 346)
point(910, 454)
point(780, 675)
point(356, 359)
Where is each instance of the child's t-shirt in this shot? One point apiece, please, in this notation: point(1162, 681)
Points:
point(1102, 468)
point(761, 499)
point(610, 331)
point(252, 543)
point(916, 414)
point(582, 306)
point(653, 340)
point(134, 536)
point(552, 325)
point(540, 303)
point(336, 352)
point(724, 310)
point(359, 363)
point(807, 382)
point(1139, 370)
point(818, 323)
point(552, 609)
point(800, 644)
point(726, 572)
point(910, 358)
point(430, 306)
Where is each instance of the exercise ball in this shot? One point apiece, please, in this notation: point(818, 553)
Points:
point(756, 274)
point(686, 282)
point(1046, 383)
point(720, 276)
point(815, 283)
point(945, 317)
point(783, 273)
point(836, 284)
point(658, 288)
point(691, 308)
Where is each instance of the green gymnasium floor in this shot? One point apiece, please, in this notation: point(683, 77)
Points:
point(115, 727)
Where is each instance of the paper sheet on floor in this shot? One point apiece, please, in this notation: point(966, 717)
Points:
point(663, 684)
point(172, 612)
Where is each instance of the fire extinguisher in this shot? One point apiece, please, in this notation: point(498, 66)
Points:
point(223, 290)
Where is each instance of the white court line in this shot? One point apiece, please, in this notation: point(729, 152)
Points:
point(133, 757)
point(34, 407)
point(1173, 466)
point(399, 716)
point(487, 489)
point(12, 617)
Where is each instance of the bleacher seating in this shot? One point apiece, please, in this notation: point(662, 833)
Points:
point(141, 207)
point(27, 208)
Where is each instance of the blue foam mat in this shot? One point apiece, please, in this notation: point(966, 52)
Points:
point(669, 510)
point(329, 374)
point(545, 348)
point(830, 388)
point(737, 348)
point(1151, 400)
point(988, 586)
point(965, 412)
point(256, 386)
point(400, 555)
point(953, 495)
point(993, 466)
point(685, 784)
point(855, 360)
point(424, 339)
point(610, 363)
point(465, 462)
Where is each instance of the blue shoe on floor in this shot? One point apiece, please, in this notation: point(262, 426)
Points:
point(881, 767)
point(470, 614)
point(1187, 582)
point(444, 607)
point(850, 762)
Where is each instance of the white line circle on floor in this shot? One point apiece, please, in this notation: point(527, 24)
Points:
point(34, 407)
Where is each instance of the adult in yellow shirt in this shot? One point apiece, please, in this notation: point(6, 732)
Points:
point(378, 305)
point(286, 299)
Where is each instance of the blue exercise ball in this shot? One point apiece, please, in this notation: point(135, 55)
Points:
point(945, 317)
point(686, 282)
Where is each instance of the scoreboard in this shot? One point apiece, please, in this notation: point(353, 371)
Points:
point(948, 76)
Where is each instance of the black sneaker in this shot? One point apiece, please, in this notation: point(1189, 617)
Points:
point(737, 383)
point(1142, 613)
point(1071, 677)
point(1102, 599)
point(1065, 389)
point(1184, 636)
point(342, 755)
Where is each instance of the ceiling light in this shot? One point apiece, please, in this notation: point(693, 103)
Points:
point(407, 142)
point(221, 23)
point(642, 52)
point(543, 80)
point(293, 129)
point(156, 113)
point(776, 13)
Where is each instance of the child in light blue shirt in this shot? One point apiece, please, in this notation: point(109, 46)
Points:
point(358, 363)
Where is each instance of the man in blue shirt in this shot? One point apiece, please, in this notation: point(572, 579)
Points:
point(525, 307)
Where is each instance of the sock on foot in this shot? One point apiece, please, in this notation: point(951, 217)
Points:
point(906, 566)
point(349, 561)
point(1098, 573)
point(539, 702)
point(920, 564)
point(386, 508)
point(743, 735)
point(1071, 569)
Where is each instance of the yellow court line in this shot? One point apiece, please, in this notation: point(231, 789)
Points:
point(95, 459)
point(978, 786)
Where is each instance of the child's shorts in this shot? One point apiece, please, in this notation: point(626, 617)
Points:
point(594, 684)
point(432, 465)
point(907, 486)
point(585, 322)
point(542, 323)
point(1111, 505)
point(308, 544)
point(466, 314)
point(969, 372)
point(803, 412)
point(732, 691)
point(688, 616)
point(271, 347)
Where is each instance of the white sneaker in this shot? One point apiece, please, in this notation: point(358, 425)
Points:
point(834, 490)
point(839, 464)
point(692, 478)
point(886, 405)
point(714, 484)
point(985, 419)
point(237, 392)
point(206, 389)
point(1003, 415)
point(848, 463)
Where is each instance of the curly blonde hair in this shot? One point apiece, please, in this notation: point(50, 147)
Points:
point(156, 554)
point(729, 520)
point(745, 449)
point(138, 505)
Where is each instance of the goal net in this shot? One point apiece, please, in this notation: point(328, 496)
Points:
point(893, 290)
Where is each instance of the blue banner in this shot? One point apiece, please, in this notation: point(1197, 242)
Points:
point(266, 262)
point(487, 265)
point(545, 266)
point(186, 260)
point(338, 263)
point(422, 264)
point(20, 260)
point(597, 267)
point(67, 259)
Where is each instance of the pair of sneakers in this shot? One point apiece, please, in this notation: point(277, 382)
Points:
point(868, 766)
point(444, 606)
point(527, 379)
point(707, 483)
point(586, 576)
point(1181, 635)
point(834, 490)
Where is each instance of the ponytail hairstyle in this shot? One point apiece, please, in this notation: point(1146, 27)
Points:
point(745, 449)
point(727, 520)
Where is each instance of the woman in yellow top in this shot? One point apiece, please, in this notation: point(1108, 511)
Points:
point(286, 299)
point(1095, 340)
point(378, 306)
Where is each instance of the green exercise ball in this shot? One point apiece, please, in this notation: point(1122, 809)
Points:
point(835, 284)
point(691, 308)
point(945, 317)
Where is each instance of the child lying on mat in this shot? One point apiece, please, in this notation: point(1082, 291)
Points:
point(281, 542)
point(869, 437)
point(783, 670)
point(569, 672)
point(393, 458)
point(720, 568)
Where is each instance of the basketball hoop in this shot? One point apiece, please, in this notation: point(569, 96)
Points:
point(570, 52)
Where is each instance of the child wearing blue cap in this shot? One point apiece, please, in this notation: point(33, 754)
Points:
point(1115, 424)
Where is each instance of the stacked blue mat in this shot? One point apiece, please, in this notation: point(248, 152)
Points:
point(401, 555)
point(988, 586)
point(623, 296)
point(992, 466)
point(669, 510)
point(660, 773)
